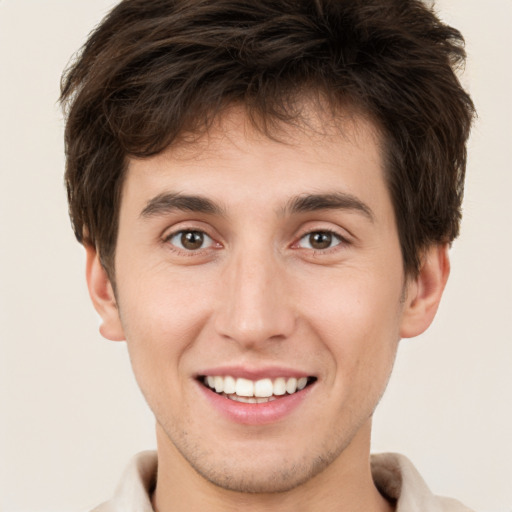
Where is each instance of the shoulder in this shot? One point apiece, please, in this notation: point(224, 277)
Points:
point(451, 505)
point(396, 478)
point(133, 493)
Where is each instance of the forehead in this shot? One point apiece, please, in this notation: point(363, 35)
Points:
point(234, 161)
point(346, 129)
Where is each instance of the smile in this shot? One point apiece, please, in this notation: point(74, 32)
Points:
point(255, 391)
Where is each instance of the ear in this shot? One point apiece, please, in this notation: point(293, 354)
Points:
point(102, 296)
point(423, 293)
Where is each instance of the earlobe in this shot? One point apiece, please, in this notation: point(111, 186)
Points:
point(102, 296)
point(424, 292)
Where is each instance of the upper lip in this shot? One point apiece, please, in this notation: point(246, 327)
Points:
point(254, 373)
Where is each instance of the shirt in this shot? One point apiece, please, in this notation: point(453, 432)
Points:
point(393, 474)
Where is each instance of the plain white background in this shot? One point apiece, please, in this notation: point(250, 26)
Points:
point(70, 412)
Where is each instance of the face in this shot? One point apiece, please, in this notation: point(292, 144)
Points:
point(260, 289)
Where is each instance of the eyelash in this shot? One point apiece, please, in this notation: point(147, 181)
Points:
point(212, 244)
point(340, 240)
point(336, 237)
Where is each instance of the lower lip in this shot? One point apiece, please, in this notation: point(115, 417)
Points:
point(255, 414)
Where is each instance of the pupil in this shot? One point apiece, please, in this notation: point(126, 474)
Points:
point(320, 240)
point(192, 239)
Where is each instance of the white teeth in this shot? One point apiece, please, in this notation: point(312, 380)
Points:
point(229, 385)
point(219, 384)
point(301, 383)
point(259, 391)
point(291, 385)
point(250, 400)
point(263, 388)
point(279, 386)
point(244, 387)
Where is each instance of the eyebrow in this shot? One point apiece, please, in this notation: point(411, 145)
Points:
point(333, 201)
point(165, 203)
point(168, 202)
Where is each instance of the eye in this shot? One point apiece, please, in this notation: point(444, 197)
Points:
point(190, 240)
point(319, 240)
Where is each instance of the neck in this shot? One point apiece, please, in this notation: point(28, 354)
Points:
point(346, 485)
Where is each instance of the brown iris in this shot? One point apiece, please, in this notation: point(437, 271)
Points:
point(192, 240)
point(320, 240)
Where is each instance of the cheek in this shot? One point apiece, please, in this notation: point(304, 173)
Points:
point(357, 317)
point(162, 312)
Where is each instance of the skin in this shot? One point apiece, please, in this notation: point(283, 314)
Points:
point(257, 294)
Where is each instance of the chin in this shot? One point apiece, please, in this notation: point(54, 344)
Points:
point(260, 471)
point(259, 479)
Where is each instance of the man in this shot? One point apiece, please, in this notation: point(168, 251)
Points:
point(266, 192)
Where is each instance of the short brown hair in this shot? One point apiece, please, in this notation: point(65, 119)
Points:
point(154, 69)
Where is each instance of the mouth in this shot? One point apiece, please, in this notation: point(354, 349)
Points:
point(255, 391)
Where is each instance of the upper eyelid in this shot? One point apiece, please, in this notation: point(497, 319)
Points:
point(189, 225)
point(341, 240)
point(213, 244)
point(321, 230)
point(178, 231)
point(172, 234)
point(341, 233)
point(196, 225)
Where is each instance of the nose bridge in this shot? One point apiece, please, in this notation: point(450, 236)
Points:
point(254, 308)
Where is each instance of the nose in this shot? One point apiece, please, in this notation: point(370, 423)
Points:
point(256, 306)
